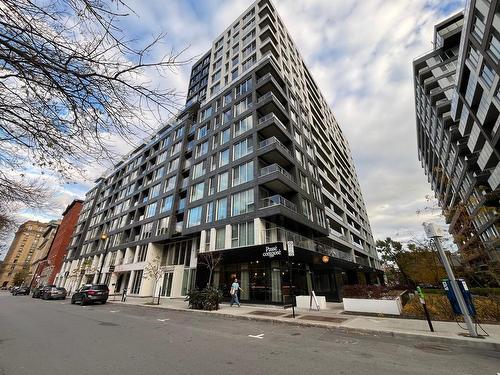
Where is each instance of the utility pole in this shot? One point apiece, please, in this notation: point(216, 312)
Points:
point(433, 232)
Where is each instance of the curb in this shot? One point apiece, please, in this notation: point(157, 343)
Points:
point(463, 342)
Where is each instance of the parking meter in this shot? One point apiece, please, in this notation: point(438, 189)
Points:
point(453, 298)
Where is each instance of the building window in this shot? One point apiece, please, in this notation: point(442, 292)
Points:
point(209, 217)
point(242, 148)
point(206, 113)
point(494, 46)
point(243, 173)
point(198, 170)
point(478, 26)
point(170, 184)
point(225, 135)
point(166, 204)
point(243, 125)
point(242, 234)
point(173, 165)
point(201, 149)
point(242, 202)
point(223, 181)
point(151, 210)
point(202, 131)
point(163, 226)
point(488, 75)
point(143, 252)
point(242, 106)
point(197, 191)
point(223, 157)
point(228, 98)
point(136, 283)
point(221, 209)
point(226, 117)
point(154, 191)
point(220, 238)
point(244, 87)
point(194, 216)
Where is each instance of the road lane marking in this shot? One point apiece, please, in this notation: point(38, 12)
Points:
point(114, 311)
point(162, 320)
point(261, 336)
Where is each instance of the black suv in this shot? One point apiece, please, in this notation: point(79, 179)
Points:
point(90, 293)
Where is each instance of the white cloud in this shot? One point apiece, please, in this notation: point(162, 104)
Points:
point(360, 53)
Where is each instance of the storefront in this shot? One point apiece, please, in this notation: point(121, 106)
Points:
point(266, 274)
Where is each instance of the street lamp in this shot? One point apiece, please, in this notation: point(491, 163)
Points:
point(104, 237)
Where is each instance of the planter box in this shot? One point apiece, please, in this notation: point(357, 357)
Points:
point(303, 302)
point(377, 306)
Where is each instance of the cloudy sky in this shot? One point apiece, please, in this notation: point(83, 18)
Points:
point(360, 54)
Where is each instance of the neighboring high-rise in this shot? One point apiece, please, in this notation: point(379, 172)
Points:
point(21, 252)
point(254, 161)
point(457, 102)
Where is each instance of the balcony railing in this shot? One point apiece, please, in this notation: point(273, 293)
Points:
point(272, 116)
point(279, 234)
point(273, 168)
point(178, 227)
point(363, 261)
point(278, 200)
point(273, 140)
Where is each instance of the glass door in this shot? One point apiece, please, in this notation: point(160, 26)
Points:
point(166, 288)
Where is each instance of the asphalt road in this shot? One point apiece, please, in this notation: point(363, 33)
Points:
point(54, 337)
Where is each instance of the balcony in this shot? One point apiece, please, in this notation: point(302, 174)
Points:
point(270, 125)
point(278, 200)
point(275, 168)
point(271, 150)
point(276, 178)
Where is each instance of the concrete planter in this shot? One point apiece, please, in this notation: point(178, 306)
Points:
point(377, 306)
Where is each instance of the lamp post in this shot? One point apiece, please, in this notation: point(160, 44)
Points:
point(104, 237)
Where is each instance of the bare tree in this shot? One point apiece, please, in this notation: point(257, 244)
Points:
point(155, 271)
point(70, 79)
point(210, 259)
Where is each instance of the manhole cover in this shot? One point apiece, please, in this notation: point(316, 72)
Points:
point(319, 318)
point(108, 324)
point(433, 348)
point(265, 313)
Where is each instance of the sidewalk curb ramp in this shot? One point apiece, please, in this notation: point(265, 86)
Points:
point(460, 341)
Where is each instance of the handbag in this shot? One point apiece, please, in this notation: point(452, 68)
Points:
point(231, 291)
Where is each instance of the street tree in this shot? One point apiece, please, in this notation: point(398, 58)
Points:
point(20, 277)
point(155, 271)
point(210, 259)
point(70, 80)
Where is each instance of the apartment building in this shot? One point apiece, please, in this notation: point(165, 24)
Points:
point(39, 258)
point(22, 252)
point(255, 162)
point(457, 106)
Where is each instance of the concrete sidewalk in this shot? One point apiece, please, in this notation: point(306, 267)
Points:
point(333, 318)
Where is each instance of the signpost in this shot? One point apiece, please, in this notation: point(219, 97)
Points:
point(433, 232)
point(290, 253)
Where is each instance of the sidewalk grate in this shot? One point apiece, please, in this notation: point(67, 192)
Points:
point(266, 313)
point(323, 318)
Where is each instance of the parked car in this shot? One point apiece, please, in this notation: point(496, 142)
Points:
point(90, 293)
point(53, 292)
point(37, 292)
point(24, 290)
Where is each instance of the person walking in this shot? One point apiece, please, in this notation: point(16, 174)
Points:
point(235, 288)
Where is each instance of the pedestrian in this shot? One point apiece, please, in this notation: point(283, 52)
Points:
point(235, 288)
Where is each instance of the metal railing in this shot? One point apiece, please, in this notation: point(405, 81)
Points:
point(278, 200)
point(273, 168)
point(280, 234)
point(272, 116)
point(273, 140)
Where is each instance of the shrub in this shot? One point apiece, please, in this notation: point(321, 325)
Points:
point(370, 292)
point(206, 299)
point(487, 309)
